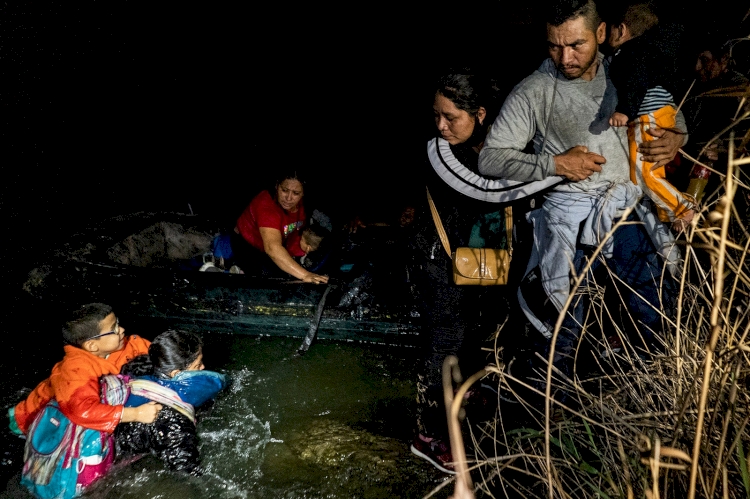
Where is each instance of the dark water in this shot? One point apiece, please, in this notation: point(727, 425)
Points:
point(334, 423)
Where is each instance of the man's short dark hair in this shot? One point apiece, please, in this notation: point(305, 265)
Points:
point(84, 323)
point(637, 16)
point(558, 12)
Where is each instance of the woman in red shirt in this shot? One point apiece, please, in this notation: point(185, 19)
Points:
point(270, 227)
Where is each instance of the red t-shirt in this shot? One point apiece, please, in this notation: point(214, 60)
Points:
point(263, 211)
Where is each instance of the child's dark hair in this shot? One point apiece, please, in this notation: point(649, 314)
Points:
point(314, 234)
point(84, 323)
point(171, 350)
point(638, 15)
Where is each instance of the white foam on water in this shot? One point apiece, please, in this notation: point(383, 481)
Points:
point(233, 439)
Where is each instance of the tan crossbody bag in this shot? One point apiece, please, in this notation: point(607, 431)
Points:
point(477, 266)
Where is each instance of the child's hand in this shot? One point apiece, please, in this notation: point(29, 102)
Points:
point(354, 224)
point(618, 119)
point(683, 221)
point(145, 413)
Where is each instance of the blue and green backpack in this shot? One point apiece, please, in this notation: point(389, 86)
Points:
point(62, 458)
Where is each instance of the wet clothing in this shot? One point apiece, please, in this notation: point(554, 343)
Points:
point(194, 387)
point(644, 73)
point(74, 383)
point(264, 211)
point(172, 437)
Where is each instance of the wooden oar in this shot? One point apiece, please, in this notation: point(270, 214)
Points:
point(315, 322)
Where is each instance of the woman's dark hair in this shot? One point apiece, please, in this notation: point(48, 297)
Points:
point(469, 91)
point(171, 350)
point(287, 174)
point(291, 174)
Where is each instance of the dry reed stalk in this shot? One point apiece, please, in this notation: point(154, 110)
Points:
point(464, 487)
point(571, 296)
point(688, 391)
point(715, 324)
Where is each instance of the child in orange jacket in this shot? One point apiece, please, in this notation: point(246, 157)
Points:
point(95, 345)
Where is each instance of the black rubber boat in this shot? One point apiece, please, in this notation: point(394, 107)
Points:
point(142, 263)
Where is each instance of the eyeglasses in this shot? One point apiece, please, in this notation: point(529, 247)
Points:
point(115, 331)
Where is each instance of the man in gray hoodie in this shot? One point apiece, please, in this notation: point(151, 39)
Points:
point(563, 109)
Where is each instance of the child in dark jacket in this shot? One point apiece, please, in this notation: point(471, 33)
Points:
point(644, 71)
point(175, 362)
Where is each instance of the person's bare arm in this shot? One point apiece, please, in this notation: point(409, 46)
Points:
point(577, 163)
point(145, 413)
point(272, 244)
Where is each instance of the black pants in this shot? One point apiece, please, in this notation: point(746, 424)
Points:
point(455, 320)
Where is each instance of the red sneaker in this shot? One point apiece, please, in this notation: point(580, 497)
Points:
point(435, 451)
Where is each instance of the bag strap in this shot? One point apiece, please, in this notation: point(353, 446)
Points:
point(439, 224)
point(509, 229)
point(444, 236)
point(163, 395)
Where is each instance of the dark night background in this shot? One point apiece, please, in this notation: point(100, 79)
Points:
point(113, 107)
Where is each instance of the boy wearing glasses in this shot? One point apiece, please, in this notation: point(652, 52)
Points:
point(95, 345)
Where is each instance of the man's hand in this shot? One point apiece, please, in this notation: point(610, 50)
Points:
point(577, 163)
point(663, 149)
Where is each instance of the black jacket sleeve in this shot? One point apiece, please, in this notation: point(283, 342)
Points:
point(172, 438)
point(175, 442)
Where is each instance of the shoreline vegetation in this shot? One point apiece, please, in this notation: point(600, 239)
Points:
point(672, 420)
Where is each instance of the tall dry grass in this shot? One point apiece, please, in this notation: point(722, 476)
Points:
point(669, 421)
